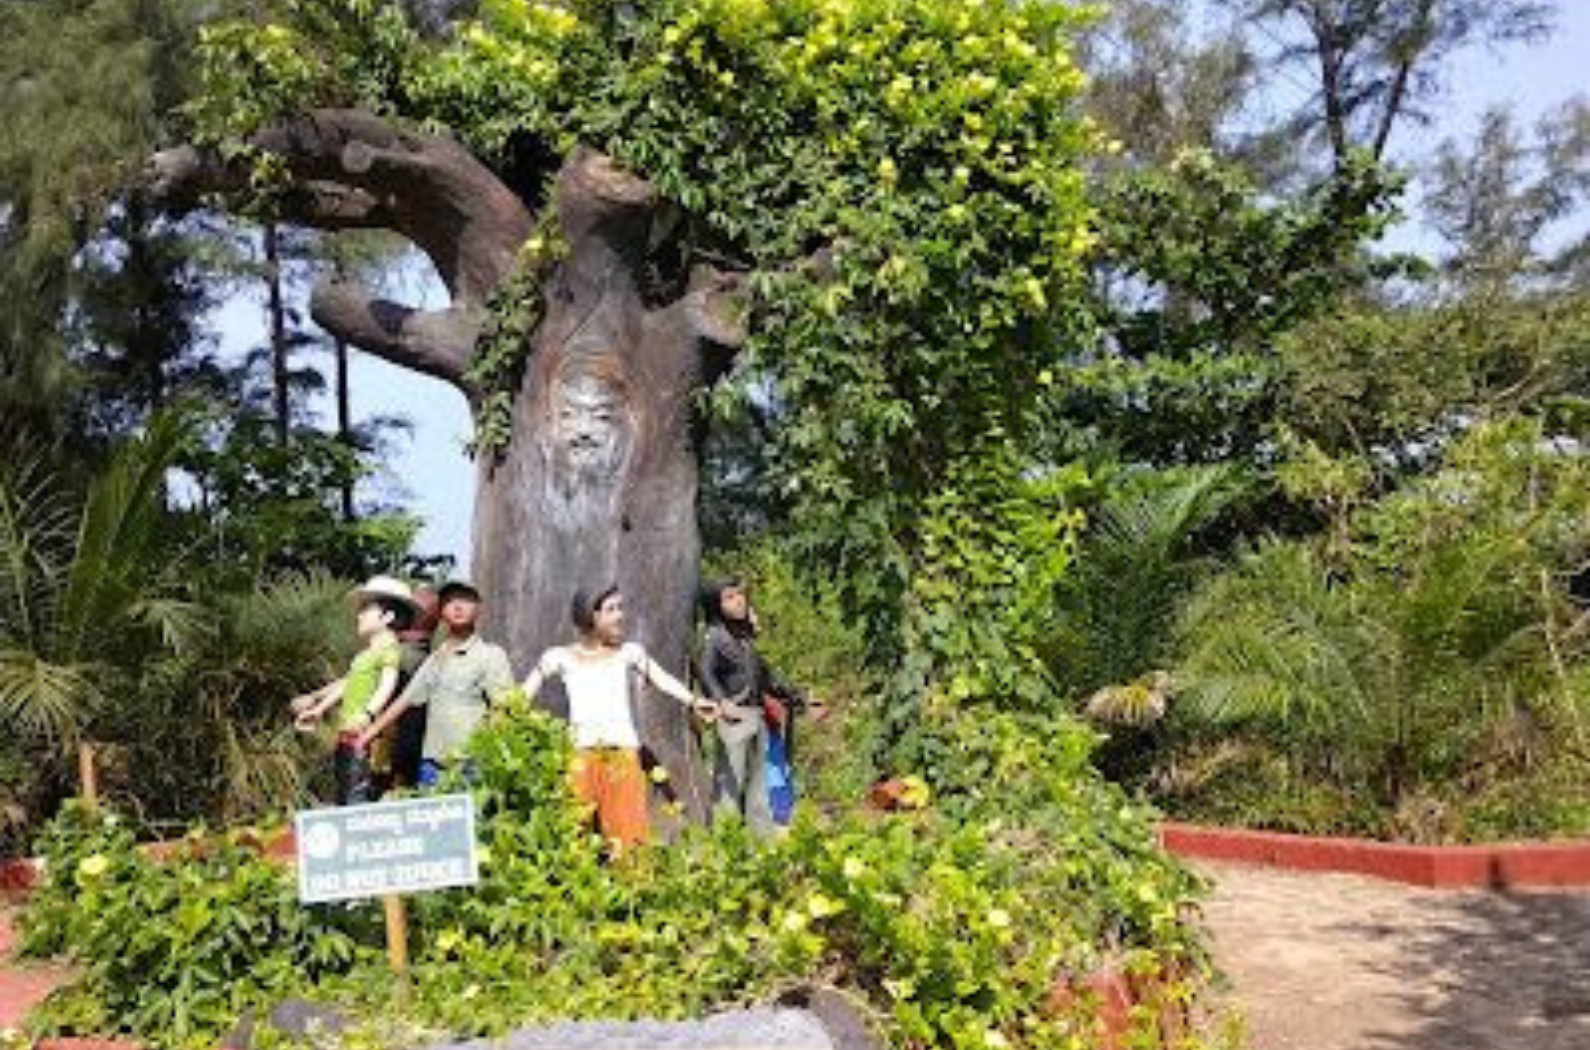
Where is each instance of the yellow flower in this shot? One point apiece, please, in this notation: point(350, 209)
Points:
point(916, 793)
point(998, 918)
point(92, 867)
point(887, 172)
point(994, 1038)
point(904, 988)
point(821, 907)
point(794, 922)
point(854, 869)
point(659, 775)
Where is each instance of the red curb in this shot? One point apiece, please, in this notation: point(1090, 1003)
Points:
point(18, 876)
point(1503, 866)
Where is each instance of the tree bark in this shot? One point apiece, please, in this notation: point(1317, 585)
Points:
point(276, 318)
point(598, 484)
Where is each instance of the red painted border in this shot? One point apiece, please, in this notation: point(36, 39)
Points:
point(21, 875)
point(1513, 865)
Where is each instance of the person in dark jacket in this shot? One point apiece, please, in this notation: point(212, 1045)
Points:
point(754, 709)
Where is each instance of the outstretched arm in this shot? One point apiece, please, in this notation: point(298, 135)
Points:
point(666, 683)
point(320, 701)
point(546, 668)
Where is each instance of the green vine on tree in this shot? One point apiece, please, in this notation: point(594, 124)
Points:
point(497, 367)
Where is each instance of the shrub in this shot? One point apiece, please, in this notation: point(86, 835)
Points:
point(173, 952)
point(950, 923)
point(1433, 650)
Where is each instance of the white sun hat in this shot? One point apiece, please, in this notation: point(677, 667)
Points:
point(388, 588)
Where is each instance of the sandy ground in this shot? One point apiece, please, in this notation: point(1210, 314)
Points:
point(1337, 962)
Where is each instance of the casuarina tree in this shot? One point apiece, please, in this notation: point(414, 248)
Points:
point(859, 214)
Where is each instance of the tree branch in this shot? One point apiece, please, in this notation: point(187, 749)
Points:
point(430, 189)
point(434, 342)
point(715, 309)
point(351, 169)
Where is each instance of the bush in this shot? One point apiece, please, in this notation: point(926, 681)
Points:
point(173, 952)
point(950, 923)
point(1430, 652)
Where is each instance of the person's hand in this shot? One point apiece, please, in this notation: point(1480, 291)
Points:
point(708, 710)
point(302, 703)
point(305, 722)
point(362, 741)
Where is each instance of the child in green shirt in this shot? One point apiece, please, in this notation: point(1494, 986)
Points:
point(384, 606)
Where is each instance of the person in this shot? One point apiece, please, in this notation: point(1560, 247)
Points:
point(405, 739)
point(456, 685)
point(597, 672)
point(382, 607)
point(752, 777)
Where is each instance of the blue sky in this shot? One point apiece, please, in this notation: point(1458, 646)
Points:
point(432, 476)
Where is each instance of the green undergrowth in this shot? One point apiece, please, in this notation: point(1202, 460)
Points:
point(949, 924)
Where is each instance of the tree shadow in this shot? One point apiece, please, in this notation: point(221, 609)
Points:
point(1491, 971)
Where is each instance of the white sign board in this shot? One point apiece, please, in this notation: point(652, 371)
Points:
point(406, 846)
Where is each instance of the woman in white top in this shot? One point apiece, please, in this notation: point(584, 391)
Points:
point(596, 673)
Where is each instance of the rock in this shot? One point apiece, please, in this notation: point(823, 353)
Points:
point(294, 1017)
point(844, 1021)
point(763, 1028)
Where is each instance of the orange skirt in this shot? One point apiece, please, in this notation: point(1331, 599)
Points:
point(610, 780)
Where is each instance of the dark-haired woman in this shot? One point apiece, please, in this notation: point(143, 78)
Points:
point(597, 672)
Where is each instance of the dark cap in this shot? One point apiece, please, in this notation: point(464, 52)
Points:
point(457, 589)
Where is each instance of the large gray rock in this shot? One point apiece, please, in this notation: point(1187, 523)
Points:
point(757, 1029)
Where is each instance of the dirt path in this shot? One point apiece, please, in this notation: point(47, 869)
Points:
point(1337, 962)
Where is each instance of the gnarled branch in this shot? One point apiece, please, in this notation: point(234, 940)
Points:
point(435, 342)
point(352, 169)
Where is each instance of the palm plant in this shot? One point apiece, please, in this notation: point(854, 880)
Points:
point(1136, 565)
point(86, 586)
point(211, 736)
point(1444, 644)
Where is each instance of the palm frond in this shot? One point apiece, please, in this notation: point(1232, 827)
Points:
point(118, 537)
point(36, 533)
point(182, 626)
point(1275, 642)
point(49, 700)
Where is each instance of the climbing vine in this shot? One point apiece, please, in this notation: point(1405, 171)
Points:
point(901, 179)
point(497, 367)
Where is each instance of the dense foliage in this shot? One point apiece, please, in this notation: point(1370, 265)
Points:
point(951, 924)
point(1405, 675)
point(123, 623)
point(901, 179)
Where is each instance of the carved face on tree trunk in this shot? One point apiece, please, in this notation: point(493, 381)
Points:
point(591, 429)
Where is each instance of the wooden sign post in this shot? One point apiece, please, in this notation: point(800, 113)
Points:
point(384, 850)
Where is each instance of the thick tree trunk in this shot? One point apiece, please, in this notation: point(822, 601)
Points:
point(597, 486)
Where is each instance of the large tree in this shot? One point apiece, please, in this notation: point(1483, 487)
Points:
point(864, 210)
